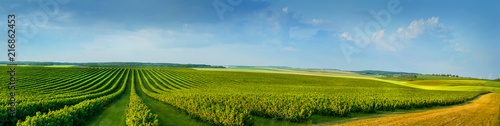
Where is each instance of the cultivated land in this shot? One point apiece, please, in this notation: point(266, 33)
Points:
point(481, 112)
point(253, 96)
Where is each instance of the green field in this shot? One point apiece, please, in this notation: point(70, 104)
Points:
point(427, 77)
point(184, 96)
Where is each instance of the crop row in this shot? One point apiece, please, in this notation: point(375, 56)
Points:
point(29, 92)
point(76, 114)
point(230, 98)
point(210, 113)
point(215, 97)
point(30, 103)
point(138, 113)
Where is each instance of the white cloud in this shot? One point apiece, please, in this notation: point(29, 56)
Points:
point(123, 41)
point(456, 46)
point(378, 39)
point(285, 9)
point(399, 39)
point(269, 20)
point(149, 39)
point(417, 27)
point(346, 36)
point(315, 21)
point(290, 49)
point(224, 54)
point(377, 36)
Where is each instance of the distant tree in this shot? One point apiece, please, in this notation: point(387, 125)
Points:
point(498, 79)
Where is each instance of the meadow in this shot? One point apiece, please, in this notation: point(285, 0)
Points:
point(75, 96)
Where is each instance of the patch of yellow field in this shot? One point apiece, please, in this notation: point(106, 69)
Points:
point(484, 111)
point(449, 82)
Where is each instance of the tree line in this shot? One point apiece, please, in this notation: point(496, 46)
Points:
point(446, 75)
point(115, 64)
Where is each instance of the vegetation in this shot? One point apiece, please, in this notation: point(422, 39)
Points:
point(101, 64)
point(445, 75)
point(450, 82)
point(427, 77)
point(138, 113)
point(77, 114)
point(384, 73)
point(492, 84)
point(39, 92)
point(481, 112)
point(70, 96)
point(289, 97)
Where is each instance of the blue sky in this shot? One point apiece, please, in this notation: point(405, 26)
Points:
point(455, 37)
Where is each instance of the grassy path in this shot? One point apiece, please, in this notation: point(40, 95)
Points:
point(168, 115)
point(483, 111)
point(114, 113)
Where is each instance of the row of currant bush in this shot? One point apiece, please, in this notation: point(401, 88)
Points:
point(233, 98)
point(138, 113)
point(29, 108)
point(211, 113)
point(77, 114)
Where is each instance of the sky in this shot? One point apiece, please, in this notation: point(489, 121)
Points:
point(425, 36)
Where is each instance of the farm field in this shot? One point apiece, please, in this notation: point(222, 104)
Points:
point(481, 112)
point(421, 82)
point(291, 71)
point(76, 96)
